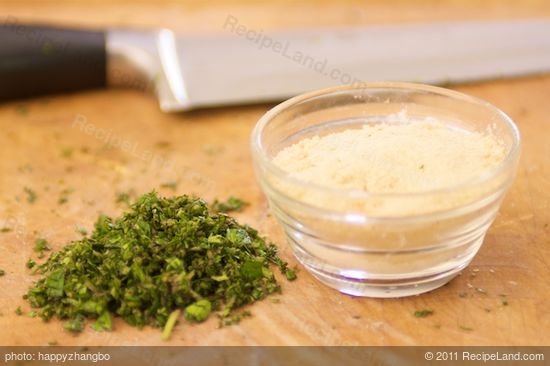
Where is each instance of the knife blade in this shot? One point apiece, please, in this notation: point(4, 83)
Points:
point(232, 69)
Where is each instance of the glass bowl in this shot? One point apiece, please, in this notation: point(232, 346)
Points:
point(356, 241)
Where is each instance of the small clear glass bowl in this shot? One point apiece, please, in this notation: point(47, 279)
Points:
point(357, 246)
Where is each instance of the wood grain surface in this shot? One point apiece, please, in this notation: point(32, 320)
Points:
point(99, 143)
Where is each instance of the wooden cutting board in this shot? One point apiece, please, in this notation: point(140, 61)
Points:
point(98, 143)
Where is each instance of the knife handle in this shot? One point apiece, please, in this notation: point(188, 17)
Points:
point(39, 60)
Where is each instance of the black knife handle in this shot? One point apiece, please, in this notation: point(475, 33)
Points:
point(39, 60)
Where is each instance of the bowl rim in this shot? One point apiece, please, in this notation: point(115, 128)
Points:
point(259, 153)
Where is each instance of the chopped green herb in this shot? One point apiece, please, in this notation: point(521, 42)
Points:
point(54, 284)
point(164, 254)
point(252, 270)
point(18, 311)
point(468, 329)
point(423, 313)
point(31, 195)
point(75, 325)
point(198, 311)
point(232, 204)
point(33, 314)
point(170, 323)
point(103, 322)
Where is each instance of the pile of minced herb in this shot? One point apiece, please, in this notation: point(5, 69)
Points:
point(163, 256)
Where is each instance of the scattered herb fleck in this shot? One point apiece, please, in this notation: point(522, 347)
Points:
point(162, 255)
point(41, 245)
point(31, 195)
point(64, 195)
point(170, 185)
point(290, 274)
point(22, 109)
point(170, 323)
point(25, 168)
point(5, 230)
point(52, 343)
point(423, 313)
point(82, 231)
point(18, 311)
point(2, 272)
point(124, 197)
point(30, 263)
point(468, 329)
point(234, 319)
point(212, 150)
point(504, 302)
point(232, 204)
point(67, 152)
point(162, 144)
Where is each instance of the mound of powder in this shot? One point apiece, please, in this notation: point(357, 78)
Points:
point(392, 157)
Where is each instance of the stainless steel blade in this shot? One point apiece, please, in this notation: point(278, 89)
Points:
point(253, 66)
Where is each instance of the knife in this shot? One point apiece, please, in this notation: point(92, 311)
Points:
point(243, 65)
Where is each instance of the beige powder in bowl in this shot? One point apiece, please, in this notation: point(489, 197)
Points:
point(392, 157)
